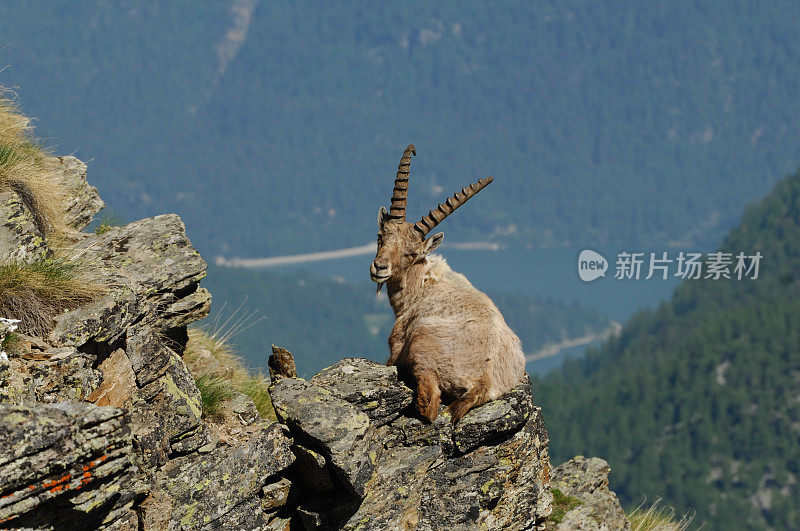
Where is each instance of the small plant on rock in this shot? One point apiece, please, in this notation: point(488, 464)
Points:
point(562, 504)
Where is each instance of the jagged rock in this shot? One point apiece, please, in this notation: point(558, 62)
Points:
point(66, 375)
point(414, 431)
point(372, 388)
point(152, 272)
point(502, 486)
point(241, 407)
point(330, 424)
point(206, 491)
point(148, 354)
point(20, 239)
point(587, 480)
point(278, 523)
point(166, 410)
point(65, 462)
point(51, 376)
point(203, 441)
point(82, 201)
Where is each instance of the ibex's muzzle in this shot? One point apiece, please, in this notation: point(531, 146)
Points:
point(379, 273)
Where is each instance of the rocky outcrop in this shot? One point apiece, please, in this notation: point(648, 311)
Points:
point(101, 420)
point(153, 275)
point(202, 490)
point(103, 425)
point(20, 238)
point(490, 471)
point(595, 506)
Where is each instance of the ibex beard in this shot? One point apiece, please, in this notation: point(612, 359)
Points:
point(448, 336)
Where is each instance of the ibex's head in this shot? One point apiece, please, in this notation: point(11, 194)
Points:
point(401, 244)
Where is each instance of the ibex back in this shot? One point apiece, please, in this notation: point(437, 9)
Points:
point(447, 335)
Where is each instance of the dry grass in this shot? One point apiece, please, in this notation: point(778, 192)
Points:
point(658, 517)
point(23, 168)
point(215, 365)
point(36, 292)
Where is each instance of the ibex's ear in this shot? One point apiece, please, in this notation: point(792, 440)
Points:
point(382, 216)
point(433, 242)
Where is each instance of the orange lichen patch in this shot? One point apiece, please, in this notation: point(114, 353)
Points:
point(56, 484)
point(87, 474)
point(63, 483)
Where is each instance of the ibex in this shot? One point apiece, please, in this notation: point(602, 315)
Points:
point(448, 336)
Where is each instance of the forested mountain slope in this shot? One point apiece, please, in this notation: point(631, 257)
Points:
point(275, 127)
point(699, 400)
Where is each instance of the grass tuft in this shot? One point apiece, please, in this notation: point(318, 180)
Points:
point(35, 292)
point(658, 517)
point(214, 391)
point(106, 223)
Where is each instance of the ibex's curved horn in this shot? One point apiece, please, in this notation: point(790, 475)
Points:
point(398, 209)
point(426, 224)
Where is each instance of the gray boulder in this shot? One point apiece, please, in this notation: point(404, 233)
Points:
point(497, 486)
point(165, 409)
point(494, 420)
point(209, 490)
point(152, 273)
point(489, 471)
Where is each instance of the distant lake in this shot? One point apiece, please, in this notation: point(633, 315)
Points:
point(537, 272)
